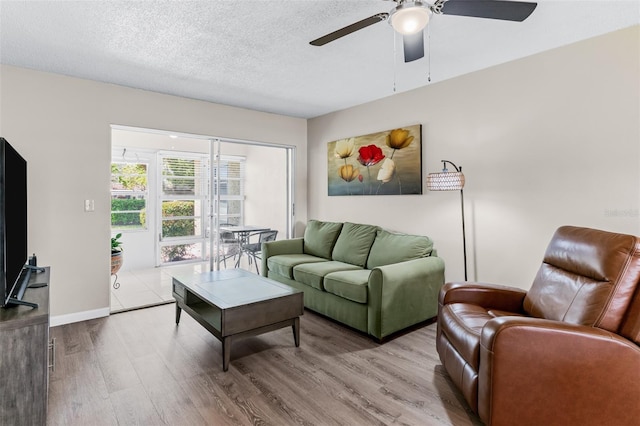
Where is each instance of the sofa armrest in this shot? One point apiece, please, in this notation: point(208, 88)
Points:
point(536, 371)
point(274, 248)
point(494, 296)
point(403, 294)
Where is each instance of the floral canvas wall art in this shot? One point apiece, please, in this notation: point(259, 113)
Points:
point(382, 163)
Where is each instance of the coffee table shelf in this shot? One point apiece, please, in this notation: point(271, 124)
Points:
point(208, 313)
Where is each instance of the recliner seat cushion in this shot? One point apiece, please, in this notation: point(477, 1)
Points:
point(352, 285)
point(391, 248)
point(462, 325)
point(283, 264)
point(354, 243)
point(312, 274)
point(320, 238)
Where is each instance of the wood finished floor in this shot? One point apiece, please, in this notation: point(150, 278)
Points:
point(138, 368)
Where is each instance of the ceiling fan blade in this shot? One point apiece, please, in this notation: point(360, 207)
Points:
point(349, 29)
point(498, 9)
point(413, 46)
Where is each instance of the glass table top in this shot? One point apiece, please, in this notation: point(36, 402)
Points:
point(233, 287)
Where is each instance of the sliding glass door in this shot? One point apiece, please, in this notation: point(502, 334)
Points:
point(171, 192)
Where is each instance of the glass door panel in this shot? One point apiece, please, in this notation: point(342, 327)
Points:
point(183, 207)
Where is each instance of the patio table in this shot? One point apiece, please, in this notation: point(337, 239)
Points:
point(242, 233)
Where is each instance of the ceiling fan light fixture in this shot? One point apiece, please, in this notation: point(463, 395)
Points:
point(410, 17)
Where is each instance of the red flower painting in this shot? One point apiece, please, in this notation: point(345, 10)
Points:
point(370, 155)
point(393, 159)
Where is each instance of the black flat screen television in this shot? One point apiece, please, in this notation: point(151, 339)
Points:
point(13, 226)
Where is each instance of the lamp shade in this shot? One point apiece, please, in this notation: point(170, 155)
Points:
point(445, 181)
point(410, 18)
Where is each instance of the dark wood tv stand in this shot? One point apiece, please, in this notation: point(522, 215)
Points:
point(24, 358)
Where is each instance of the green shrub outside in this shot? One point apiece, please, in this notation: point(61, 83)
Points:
point(170, 228)
point(143, 218)
point(178, 227)
point(127, 219)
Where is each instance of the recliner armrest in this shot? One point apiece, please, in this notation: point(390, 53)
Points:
point(537, 371)
point(482, 294)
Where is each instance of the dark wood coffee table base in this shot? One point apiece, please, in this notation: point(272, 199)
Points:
point(235, 303)
point(228, 340)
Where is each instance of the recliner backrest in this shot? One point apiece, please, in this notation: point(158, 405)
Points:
point(588, 277)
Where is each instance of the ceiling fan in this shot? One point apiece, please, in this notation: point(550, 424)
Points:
point(409, 18)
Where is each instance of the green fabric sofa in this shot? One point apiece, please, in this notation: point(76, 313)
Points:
point(368, 278)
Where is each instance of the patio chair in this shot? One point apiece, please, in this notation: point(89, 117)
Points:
point(229, 246)
point(254, 250)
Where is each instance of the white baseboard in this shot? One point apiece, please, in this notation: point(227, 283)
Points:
point(78, 316)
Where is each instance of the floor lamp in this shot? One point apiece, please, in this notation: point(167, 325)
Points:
point(451, 181)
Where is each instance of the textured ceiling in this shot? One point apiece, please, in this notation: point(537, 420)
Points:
point(256, 54)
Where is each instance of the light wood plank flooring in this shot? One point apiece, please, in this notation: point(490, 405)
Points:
point(139, 368)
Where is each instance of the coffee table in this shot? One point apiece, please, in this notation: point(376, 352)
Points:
point(234, 303)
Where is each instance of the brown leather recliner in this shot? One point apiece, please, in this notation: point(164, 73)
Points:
point(564, 353)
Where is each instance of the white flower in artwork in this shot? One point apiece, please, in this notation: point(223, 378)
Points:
point(344, 148)
point(387, 170)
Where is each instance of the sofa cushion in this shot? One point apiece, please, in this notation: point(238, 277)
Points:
point(282, 264)
point(391, 248)
point(354, 243)
point(312, 274)
point(351, 285)
point(320, 237)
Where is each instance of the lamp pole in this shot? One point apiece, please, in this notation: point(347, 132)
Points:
point(464, 234)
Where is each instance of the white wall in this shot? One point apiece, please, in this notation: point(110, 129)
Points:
point(61, 125)
point(545, 141)
point(266, 188)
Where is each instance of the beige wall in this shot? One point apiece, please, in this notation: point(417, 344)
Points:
point(548, 140)
point(61, 125)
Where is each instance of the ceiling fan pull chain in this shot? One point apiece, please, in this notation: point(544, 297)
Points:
point(395, 61)
point(429, 53)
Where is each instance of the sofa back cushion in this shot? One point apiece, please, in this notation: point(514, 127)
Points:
point(354, 243)
point(587, 277)
point(391, 248)
point(320, 237)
